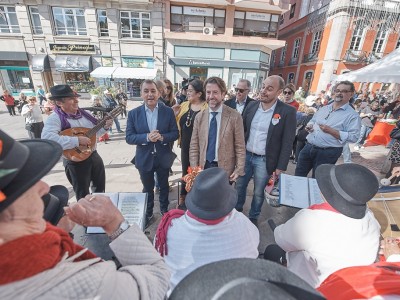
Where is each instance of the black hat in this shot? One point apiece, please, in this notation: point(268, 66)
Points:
point(347, 187)
point(22, 164)
point(211, 197)
point(243, 278)
point(62, 91)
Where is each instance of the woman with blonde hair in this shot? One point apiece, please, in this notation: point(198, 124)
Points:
point(169, 96)
point(185, 115)
point(33, 118)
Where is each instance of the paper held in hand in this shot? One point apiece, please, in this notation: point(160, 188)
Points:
point(131, 205)
point(301, 192)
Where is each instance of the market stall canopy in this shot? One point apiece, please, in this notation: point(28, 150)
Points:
point(103, 72)
point(40, 63)
point(386, 70)
point(137, 73)
point(73, 63)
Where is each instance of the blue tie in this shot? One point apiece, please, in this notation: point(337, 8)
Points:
point(212, 138)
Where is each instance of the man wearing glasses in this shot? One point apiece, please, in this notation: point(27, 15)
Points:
point(242, 98)
point(330, 129)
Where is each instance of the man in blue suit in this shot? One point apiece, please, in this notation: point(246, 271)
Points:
point(151, 127)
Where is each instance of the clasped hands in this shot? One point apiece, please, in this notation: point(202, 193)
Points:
point(155, 136)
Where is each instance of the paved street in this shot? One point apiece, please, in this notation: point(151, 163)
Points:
point(122, 176)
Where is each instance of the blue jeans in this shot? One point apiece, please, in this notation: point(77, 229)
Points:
point(311, 157)
point(364, 132)
point(255, 165)
point(116, 125)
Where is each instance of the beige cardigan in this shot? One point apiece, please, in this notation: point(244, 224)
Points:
point(143, 275)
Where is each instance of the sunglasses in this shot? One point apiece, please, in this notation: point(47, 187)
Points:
point(287, 92)
point(240, 90)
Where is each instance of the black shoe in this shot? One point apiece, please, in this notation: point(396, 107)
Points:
point(182, 206)
point(121, 131)
point(239, 209)
point(254, 221)
point(148, 221)
point(163, 212)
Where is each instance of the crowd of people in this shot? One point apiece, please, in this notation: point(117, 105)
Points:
point(222, 143)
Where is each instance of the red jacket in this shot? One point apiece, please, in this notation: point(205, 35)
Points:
point(8, 99)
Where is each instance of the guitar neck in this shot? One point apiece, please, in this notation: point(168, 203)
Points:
point(115, 112)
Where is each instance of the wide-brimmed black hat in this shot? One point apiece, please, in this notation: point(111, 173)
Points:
point(62, 91)
point(211, 197)
point(347, 187)
point(22, 164)
point(244, 278)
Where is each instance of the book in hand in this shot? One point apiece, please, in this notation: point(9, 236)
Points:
point(131, 205)
point(301, 192)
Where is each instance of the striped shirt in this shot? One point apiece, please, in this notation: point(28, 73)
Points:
point(344, 119)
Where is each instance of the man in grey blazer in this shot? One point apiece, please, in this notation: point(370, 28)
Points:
point(269, 126)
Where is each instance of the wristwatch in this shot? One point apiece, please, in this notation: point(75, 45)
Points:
point(122, 227)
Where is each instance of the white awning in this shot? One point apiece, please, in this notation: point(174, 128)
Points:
point(136, 73)
point(103, 72)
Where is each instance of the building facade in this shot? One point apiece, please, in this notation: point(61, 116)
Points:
point(48, 42)
point(228, 39)
point(328, 38)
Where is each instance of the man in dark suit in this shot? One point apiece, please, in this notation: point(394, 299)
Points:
point(151, 127)
point(269, 127)
point(242, 98)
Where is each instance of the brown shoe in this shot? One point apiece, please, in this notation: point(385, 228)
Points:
point(181, 202)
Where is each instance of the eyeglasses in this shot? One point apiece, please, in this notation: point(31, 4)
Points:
point(342, 92)
point(287, 92)
point(240, 90)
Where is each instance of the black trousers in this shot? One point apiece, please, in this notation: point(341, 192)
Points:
point(85, 173)
point(185, 165)
point(36, 131)
point(148, 182)
point(11, 109)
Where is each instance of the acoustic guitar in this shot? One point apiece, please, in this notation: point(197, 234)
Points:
point(81, 153)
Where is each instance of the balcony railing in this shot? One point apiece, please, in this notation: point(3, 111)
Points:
point(374, 56)
point(309, 57)
point(293, 61)
point(356, 56)
point(281, 64)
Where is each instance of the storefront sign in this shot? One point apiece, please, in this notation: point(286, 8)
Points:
point(198, 11)
point(68, 48)
point(218, 63)
point(129, 62)
point(257, 16)
point(196, 62)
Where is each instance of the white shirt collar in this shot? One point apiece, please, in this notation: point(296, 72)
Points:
point(219, 110)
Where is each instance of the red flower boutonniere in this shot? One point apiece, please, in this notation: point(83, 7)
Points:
point(275, 119)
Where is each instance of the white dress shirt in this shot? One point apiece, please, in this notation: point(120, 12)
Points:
point(259, 130)
point(240, 106)
point(218, 118)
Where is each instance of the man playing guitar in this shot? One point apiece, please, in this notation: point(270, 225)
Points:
point(75, 130)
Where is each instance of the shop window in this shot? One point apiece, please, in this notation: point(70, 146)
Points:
point(292, 10)
point(8, 20)
point(102, 22)
point(316, 42)
point(69, 21)
point(135, 24)
point(81, 81)
point(255, 24)
point(35, 20)
point(199, 52)
point(194, 19)
point(17, 78)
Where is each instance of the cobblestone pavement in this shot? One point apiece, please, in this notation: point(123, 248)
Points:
point(122, 176)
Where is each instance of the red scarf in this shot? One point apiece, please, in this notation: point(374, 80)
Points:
point(323, 206)
point(32, 254)
point(166, 222)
